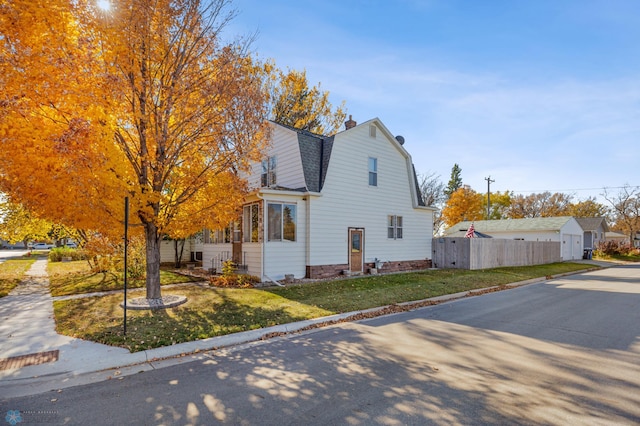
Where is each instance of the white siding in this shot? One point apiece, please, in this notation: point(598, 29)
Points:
point(211, 253)
point(286, 257)
point(571, 240)
point(349, 201)
point(253, 258)
point(168, 254)
point(289, 173)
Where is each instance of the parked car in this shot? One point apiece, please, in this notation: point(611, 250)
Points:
point(42, 246)
point(71, 244)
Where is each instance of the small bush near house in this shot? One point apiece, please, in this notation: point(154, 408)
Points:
point(235, 281)
point(106, 255)
point(58, 253)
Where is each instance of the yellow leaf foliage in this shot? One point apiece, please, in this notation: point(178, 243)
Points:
point(140, 101)
point(464, 204)
point(297, 105)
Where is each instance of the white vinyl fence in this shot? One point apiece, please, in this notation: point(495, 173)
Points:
point(483, 253)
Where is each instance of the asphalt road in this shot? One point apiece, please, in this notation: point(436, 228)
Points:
point(562, 352)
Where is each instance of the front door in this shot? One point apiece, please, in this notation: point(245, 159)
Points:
point(356, 250)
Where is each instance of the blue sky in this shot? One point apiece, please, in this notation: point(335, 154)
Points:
point(538, 94)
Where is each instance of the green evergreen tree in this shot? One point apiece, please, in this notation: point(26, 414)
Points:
point(455, 182)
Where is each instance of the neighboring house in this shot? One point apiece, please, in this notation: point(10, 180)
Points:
point(616, 236)
point(595, 229)
point(564, 229)
point(185, 247)
point(321, 206)
point(6, 245)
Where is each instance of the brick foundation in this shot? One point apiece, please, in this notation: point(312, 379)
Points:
point(331, 271)
point(325, 271)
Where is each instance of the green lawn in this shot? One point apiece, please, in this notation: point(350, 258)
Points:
point(626, 258)
point(12, 272)
point(218, 311)
point(67, 278)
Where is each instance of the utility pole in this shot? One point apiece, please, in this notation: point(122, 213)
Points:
point(489, 180)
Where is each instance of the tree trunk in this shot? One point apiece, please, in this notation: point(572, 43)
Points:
point(153, 261)
point(178, 253)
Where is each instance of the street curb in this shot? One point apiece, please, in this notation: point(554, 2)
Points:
point(244, 337)
point(124, 364)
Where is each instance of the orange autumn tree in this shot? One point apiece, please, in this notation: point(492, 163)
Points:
point(463, 204)
point(142, 100)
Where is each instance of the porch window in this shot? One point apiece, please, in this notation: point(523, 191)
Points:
point(222, 236)
point(236, 232)
point(394, 227)
point(250, 217)
point(268, 177)
point(373, 171)
point(282, 219)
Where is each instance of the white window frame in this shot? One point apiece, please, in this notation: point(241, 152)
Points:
point(250, 229)
point(373, 171)
point(394, 227)
point(278, 234)
point(268, 177)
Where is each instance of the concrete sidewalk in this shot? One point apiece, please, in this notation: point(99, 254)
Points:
point(27, 334)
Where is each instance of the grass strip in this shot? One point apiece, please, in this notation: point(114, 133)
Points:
point(213, 312)
point(12, 271)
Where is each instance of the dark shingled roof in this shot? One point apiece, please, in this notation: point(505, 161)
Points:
point(592, 223)
point(315, 153)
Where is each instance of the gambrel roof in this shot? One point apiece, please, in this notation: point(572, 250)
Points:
point(315, 153)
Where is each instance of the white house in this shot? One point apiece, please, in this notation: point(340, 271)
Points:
point(321, 206)
point(564, 229)
point(595, 230)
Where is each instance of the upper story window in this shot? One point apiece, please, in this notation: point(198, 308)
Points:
point(372, 131)
point(373, 171)
point(251, 223)
point(394, 227)
point(268, 177)
point(281, 222)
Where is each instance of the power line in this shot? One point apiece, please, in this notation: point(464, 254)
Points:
point(575, 189)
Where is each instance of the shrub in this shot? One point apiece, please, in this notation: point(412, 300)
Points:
point(105, 255)
point(58, 253)
point(236, 281)
point(615, 248)
point(228, 268)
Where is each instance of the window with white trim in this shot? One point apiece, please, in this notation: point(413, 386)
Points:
point(228, 234)
point(251, 222)
point(268, 176)
point(281, 222)
point(237, 234)
point(394, 227)
point(373, 171)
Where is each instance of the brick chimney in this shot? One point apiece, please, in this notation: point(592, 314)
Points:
point(349, 124)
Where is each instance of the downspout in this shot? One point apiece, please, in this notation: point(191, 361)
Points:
point(274, 281)
point(262, 248)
